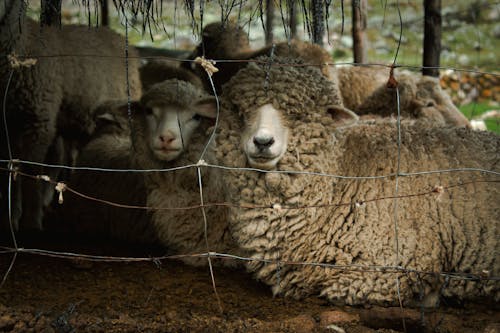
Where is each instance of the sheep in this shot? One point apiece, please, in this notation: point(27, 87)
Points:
point(156, 71)
point(52, 96)
point(421, 97)
point(227, 41)
point(157, 146)
point(109, 147)
point(357, 83)
point(348, 223)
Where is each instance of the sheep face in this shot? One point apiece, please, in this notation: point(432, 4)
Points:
point(433, 103)
point(170, 127)
point(265, 138)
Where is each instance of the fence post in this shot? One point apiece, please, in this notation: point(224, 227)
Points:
point(432, 37)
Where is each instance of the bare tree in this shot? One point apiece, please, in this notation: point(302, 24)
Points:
point(359, 8)
point(104, 12)
point(292, 14)
point(432, 37)
point(50, 12)
point(269, 21)
point(318, 21)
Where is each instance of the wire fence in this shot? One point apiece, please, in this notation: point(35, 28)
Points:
point(15, 170)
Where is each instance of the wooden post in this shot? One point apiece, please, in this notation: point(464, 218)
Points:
point(50, 12)
point(269, 21)
point(358, 31)
point(432, 37)
point(318, 21)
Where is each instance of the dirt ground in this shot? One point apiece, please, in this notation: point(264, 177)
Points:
point(44, 294)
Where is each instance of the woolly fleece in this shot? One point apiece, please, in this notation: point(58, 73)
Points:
point(456, 231)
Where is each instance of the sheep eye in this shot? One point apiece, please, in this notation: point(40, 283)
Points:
point(196, 117)
point(148, 111)
point(430, 104)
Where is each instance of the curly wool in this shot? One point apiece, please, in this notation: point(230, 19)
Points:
point(275, 81)
point(345, 224)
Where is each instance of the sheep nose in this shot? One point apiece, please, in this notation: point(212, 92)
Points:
point(263, 142)
point(166, 138)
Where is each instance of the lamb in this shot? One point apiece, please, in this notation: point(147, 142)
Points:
point(156, 146)
point(227, 41)
point(453, 228)
point(54, 95)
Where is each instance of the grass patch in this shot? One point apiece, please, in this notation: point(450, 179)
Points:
point(474, 110)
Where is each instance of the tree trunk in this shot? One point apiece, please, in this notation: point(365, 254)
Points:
point(269, 21)
point(318, 21)
point(292, 13)
point(358, 31)
point(432, 37)
point(50, 12)
point(104, 12)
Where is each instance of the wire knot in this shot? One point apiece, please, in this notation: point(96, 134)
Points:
point(207, 64)
point(43, 177)
point(60, 187)
point(201, 163)
point(15, 62)
point(277, 206)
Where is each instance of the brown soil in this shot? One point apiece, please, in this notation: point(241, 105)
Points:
point(44, 294)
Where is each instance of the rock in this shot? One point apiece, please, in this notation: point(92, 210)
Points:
point(334, 317)
point(301, 323)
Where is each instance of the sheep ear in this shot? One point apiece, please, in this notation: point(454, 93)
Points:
point(342, 115)
point(206, 107)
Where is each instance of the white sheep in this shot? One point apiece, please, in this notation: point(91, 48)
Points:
point(452, 226)
point(52, 96)
point(157, 145)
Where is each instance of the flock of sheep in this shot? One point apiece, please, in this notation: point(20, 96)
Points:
point(307, 231)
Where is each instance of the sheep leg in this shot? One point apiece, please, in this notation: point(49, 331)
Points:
point(34, 146)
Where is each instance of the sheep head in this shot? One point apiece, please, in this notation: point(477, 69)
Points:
point(272, 101)
point(173, 110)
point(433, 103)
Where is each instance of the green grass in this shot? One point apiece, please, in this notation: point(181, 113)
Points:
point(474, 110)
